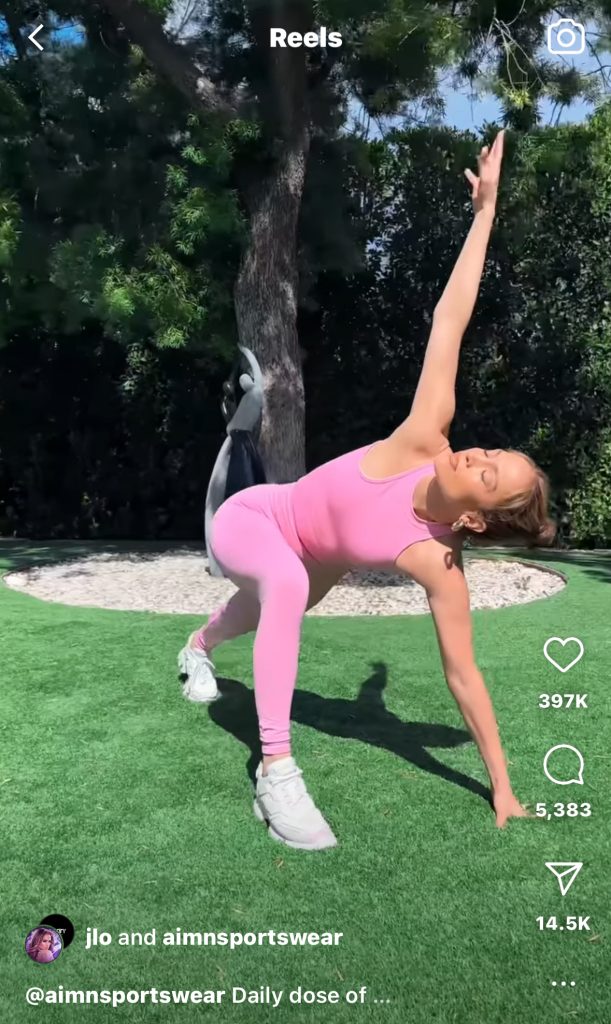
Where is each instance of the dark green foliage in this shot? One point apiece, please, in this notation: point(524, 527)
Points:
point(99, 439)
point(120, 235)
point(115, 202)
point(139, 428)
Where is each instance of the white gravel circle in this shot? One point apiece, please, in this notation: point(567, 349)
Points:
point(177, 581)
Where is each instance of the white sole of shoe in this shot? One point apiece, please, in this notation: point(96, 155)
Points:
point(196, 696)
point(199, 698)
point(260, 816)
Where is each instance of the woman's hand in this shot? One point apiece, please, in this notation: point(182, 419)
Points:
point(485, 184)
point(506, 806)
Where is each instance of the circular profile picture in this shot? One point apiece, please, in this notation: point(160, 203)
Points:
point(43, 945)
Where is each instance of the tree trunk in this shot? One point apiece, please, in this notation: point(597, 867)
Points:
point(267, 287)
point(266, 290)
point(265, 295)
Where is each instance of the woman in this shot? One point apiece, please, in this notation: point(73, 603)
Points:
point(406, 502)
point(40, 946)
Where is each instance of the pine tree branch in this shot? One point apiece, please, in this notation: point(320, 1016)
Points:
point(146, 30)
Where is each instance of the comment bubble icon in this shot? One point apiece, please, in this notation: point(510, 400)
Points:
point(576, 778)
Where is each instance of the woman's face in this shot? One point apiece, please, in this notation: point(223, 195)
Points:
point(46, 941)
point(480, 478)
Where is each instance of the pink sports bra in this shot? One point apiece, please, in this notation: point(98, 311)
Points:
point(346, 518)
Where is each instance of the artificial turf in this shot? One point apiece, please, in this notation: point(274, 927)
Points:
point(127, 809)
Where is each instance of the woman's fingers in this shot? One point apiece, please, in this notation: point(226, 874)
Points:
point(484, 184)
point(496, 149)
point(499, 144)
point(472, 179)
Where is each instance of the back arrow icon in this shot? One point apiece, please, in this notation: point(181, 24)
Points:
point(35, 33)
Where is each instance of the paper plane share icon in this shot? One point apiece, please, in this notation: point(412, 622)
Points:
point(566, 872)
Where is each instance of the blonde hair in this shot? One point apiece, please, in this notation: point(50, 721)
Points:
point(524, 518)
point(37, 937)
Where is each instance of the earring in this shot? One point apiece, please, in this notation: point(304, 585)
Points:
point(457, 526)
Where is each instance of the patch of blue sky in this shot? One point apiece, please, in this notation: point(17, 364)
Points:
point(466, 107)
point(53, 33)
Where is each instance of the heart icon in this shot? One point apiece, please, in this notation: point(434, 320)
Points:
point(563, 643)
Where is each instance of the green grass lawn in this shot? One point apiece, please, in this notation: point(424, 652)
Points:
point(127, 809)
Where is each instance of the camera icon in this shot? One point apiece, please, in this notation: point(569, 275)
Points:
point(566, 37)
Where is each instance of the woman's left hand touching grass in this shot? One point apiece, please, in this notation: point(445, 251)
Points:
point(507, 806)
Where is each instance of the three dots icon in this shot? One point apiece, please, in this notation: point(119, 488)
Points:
point(563, 984)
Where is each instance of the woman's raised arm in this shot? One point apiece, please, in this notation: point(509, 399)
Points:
point(434, 402)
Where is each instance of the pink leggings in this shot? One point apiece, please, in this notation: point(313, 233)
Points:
point(255, 542)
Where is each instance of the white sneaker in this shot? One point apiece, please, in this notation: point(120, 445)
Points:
point(200, 681)
point(283, 801)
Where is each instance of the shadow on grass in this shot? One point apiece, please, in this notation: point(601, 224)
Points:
point(366, 719)
point(18, 555)
point(595, 564)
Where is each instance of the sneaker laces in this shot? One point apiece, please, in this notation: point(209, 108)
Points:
point(202, 657)
point(293, 786)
